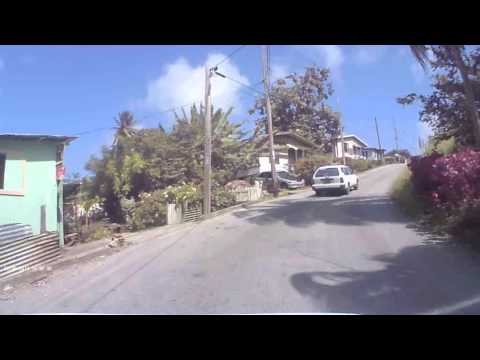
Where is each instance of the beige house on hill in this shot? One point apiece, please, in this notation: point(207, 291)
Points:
point(356, 148)
point(288, 146)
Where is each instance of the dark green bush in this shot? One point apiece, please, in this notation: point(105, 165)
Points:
point(149, 211)
point(359, 165)
point(305, 167)
point(95, 231)
point(222, 198)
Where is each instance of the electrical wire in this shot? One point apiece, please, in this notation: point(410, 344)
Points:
point(242, 84)
point(228, 57)
point(92, 131)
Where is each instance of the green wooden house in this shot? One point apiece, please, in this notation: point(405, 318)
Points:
point(31, 181)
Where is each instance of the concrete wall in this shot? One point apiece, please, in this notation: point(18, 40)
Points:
point(30, 182)
point(264, 162)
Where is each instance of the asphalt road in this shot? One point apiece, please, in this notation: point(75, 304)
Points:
point(300, 254)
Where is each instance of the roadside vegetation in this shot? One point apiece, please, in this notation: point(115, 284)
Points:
point(404, 194)
point(442, 186)
point(133, 179)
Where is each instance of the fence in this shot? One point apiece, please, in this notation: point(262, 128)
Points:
point(180, 213)
point(20, 251)
point(252, 193)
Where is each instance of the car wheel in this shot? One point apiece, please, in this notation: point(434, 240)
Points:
point(347, 189)
point(318, 192)
point(358, 185)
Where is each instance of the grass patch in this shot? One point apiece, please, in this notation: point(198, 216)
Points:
point(402, 193)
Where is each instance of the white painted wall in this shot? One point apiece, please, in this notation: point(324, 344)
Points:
point(350, 143)
point(264, 162)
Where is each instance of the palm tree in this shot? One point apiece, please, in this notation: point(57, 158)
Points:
point(125, 126)
point(455, 53)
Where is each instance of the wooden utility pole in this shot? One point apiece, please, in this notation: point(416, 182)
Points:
point(266, 83)
point(341, 132)
point(207, 162)
point(378, 137)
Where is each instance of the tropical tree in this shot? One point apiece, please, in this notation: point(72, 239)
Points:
point(445, 110)
point(455, 53)
point(298, 104)
point(151, 159)
point(125, 126)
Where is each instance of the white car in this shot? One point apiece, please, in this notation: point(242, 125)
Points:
point(334, 177)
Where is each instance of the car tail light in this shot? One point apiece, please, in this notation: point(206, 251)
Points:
point(341, 180)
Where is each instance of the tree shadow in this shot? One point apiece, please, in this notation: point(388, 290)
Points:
point(443, 279)
point(343, 210)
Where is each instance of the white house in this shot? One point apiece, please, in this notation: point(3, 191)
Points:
point(288, 147)
point(356, 148)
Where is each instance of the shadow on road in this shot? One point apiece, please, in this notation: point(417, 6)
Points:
point(345, 210)
point(442, 279)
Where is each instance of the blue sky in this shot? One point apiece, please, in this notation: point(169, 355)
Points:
point(74, 89)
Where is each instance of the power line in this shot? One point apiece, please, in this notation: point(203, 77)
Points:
point(92, 131)
point(240, 83)
point(228, 57)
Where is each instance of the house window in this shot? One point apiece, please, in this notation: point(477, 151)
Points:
point(277, 159)
point(345, 147)
point(3, 159)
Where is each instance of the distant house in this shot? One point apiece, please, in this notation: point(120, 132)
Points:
point(356, 148)
point(288, 147)
point(31, 181)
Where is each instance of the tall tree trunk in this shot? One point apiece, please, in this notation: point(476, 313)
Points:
point(455, 51)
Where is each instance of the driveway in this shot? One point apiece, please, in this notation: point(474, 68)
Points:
point(299, 254)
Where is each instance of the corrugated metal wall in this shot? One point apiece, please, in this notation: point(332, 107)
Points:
point(20, 251)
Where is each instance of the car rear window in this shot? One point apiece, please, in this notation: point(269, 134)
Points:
point(327, 172)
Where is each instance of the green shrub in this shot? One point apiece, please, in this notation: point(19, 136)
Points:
point(359, 165)
point(403, 193)
point(149, 211)
point(222, 198)
point(181, 193)
point(95, 231)
point(305, 167)
point(443, 147)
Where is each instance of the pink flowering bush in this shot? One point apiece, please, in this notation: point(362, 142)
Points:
point(450, 184)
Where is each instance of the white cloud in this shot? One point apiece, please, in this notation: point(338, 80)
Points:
point(365, 55)
point(181, 83)
point(328, 55)
point(279, 71)
point(332, 54)
point(417, 72)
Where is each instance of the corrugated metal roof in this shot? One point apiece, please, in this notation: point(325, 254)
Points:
point(54, 138)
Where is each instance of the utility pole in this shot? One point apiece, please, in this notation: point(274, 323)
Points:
point(207, 161)
point(378, 137)
point(341, 132)
point(266, 83)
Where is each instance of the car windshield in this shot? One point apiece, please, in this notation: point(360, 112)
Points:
point(327, 172)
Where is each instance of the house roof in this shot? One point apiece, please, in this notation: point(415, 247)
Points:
point(262, 139)
point(51, 138)
point(356, 138)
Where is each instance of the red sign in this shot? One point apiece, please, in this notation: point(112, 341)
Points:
point(60, 172)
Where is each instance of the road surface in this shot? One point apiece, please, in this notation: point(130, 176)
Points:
point(300, 254)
